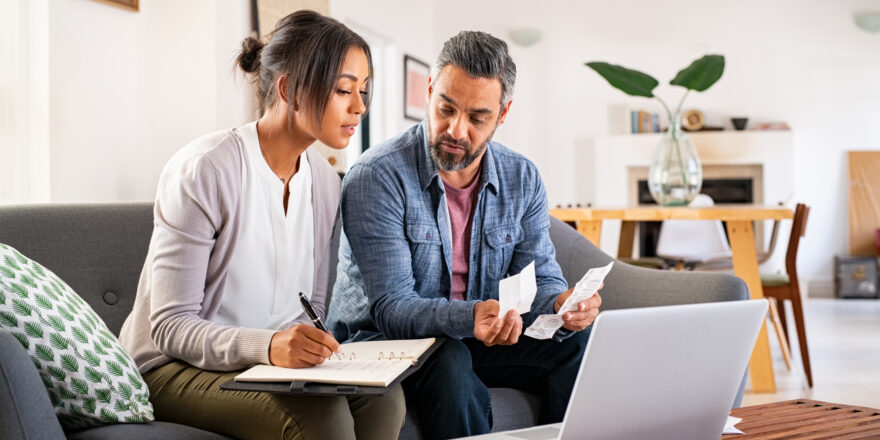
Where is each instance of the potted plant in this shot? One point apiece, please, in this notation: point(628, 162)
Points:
point(675, 175)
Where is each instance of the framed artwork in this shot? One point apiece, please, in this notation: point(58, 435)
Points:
point(127, 4)
point(415, 88)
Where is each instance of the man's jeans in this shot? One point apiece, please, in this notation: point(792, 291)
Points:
point(451, 389)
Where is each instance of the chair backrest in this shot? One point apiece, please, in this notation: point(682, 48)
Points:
point(798, 229)
point(693, 240)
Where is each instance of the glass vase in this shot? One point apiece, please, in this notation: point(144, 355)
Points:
point(675, 175)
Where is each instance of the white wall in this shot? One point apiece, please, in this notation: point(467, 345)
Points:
point(128, 89)
point(803, 62)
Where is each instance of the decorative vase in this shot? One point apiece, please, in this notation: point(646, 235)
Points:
point(675, 175)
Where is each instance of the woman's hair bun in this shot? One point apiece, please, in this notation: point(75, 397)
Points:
point(249, 58)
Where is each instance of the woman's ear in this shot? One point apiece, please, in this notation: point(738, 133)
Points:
point(281, 84)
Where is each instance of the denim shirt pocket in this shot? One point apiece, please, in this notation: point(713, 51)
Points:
point(426, 249)
point(500, 242)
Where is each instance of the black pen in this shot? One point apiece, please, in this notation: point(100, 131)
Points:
point(307, 306)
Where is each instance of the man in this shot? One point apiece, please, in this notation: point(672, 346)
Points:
point(433, 219)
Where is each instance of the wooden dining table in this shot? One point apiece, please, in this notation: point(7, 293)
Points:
point(740, 232)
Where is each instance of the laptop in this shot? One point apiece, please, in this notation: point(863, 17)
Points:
point(668, 372)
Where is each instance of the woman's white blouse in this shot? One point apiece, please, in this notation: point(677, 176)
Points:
point(274, 258)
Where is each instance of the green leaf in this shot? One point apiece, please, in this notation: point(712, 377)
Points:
point(38, 269)
point(33, 329)
point(56, 401)
point(105, 342)
point(18, 290)
point(57, 373)
point(631, 82)
point(22, 308)
point(134, 419)
point(6, 272)
point(47, 381)
point(55, 322)
point(8, 319)
point(2, 297)
point(45, 353)
point(93, 375)
point(86, 324)
point(69, 363)
point(79, 385)
point(114, 368)
point(120, 358)
point(59, 342)
point(100, 350)
point(124, 390)
point(23, 340)
point(91, 358)
point(43, 301)
point(75, 410)
point(89, 405)
point(701, 74)
point(36, 362)
point(67, 394)
point(79, 335)
point(108, 416)
point(121, 406)
point(103, 395)
point(135, 381)
point(21, 258)
point(11, 263)
point(65, 314)
point(28, 280)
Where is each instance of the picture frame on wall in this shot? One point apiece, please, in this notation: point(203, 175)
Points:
point(415, 88)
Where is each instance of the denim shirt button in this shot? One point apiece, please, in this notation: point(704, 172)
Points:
point(508, 238)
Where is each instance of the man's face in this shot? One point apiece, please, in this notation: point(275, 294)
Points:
point(463, 113)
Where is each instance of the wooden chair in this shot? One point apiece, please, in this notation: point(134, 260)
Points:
point(785, 287)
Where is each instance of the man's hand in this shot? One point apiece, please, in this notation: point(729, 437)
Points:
point(583, 315)
point(301, 346)
point(494, 330)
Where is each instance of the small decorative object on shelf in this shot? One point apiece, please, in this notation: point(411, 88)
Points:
point(675, 175)
point(771, 126)
point(739, 123)
point(693, 120)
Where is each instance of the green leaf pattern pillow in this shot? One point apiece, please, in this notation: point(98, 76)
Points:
point(90, 378)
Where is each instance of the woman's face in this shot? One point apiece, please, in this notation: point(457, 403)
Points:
point(346, 104)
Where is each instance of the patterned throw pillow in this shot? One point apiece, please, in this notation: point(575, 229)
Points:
point(90, 378)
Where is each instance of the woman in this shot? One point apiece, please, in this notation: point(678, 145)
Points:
point(243, 220)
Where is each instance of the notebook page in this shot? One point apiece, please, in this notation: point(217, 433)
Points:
point(363, 372)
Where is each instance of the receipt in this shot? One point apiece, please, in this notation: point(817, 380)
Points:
point(546, 325)
point(586, 287)
point(517, 292)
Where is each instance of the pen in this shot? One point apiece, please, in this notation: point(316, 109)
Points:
point(307, 306)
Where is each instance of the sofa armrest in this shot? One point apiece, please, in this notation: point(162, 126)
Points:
point(629, 286)
point(25, 410)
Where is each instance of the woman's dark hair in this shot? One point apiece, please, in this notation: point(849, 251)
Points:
point(310, 49)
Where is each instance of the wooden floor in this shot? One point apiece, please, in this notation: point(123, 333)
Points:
point(844, 342)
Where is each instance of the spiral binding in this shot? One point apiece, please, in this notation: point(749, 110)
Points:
point(382, 356)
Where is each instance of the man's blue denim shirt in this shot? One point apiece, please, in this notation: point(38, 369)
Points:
point(395, 254)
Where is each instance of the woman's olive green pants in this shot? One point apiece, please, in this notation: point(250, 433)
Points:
point(184, 394)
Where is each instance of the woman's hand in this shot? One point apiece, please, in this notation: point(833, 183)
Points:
point(301, 346)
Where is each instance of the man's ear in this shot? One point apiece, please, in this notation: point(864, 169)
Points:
point(504, 111)
point(430, 90)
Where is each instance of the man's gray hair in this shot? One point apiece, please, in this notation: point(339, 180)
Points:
point(480, 55)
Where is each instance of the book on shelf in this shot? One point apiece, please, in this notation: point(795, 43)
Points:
point(369, 363)
point(644, 122)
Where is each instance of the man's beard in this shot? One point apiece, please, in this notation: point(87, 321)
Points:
point(451, 162)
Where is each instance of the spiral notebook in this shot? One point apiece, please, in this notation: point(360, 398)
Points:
point(370, 363)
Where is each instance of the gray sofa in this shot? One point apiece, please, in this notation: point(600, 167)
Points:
point(99, 249)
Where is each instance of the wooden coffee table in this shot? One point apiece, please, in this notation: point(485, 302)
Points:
point(806, 419)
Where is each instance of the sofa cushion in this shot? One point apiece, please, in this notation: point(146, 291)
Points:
point(90, 378)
